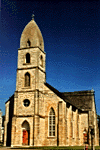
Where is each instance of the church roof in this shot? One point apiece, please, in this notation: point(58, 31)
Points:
point(53, 89)
point(80, 99)
point(31, 36)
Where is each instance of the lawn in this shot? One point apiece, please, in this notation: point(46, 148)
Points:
point(57, 148)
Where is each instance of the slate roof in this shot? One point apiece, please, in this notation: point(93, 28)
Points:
point(80, 99)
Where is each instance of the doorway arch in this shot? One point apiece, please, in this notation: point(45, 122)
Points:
point(25, 133)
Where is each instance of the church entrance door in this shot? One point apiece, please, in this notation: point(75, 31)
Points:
point(25, 137)
point(25, 133)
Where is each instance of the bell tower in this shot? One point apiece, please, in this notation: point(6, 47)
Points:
point(31, 59)
point(29, 83)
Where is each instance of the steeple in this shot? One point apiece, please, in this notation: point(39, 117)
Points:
point(31, 59)
point(31, 36)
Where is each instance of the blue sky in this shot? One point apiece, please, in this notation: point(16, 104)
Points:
point(71, 32)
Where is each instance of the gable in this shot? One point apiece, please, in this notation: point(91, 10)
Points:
point(80, 99)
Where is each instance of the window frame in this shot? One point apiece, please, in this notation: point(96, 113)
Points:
point(27, 83)
point(28, 43)
point(27, 57)
point(52, 132)
point(41, 61)
point(27, 101)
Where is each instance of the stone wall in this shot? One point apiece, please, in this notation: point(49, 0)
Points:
point(21, 109)
point(17, 130)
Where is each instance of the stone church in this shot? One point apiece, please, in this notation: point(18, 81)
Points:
point(37, 114)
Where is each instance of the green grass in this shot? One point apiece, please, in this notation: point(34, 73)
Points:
point(57, 148)
point(53, 148)
point(47, 147)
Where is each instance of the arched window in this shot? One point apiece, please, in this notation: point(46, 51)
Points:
point(72, 124)
point(78, 125)
point(27, 58)
point(73, 121)
point(52, 122)
point(27, 79)
point(28, 43)
point(41, 61)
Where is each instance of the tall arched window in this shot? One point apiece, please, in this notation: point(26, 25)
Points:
point(52, 122)
point(41, 61)
point(78, 125)
point(27, 58)
point(72, 124)
point(73, 121)
point(27, 79)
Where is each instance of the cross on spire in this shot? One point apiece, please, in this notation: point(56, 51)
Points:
point(33, 15)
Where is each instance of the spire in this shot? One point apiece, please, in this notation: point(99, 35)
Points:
point(33, 34)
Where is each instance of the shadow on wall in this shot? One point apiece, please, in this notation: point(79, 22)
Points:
point(9, 125)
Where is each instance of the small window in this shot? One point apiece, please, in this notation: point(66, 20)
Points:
point(26, 102)
point(41, 61)
point(52, 122)
point(27, 58)
point(28, 43)
point(27, 79)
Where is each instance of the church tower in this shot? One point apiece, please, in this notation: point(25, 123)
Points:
point(29, 82)
point(31, 59)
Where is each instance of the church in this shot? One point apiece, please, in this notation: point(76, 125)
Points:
point(37, 114)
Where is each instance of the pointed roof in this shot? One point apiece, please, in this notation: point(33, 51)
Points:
point(31, 36)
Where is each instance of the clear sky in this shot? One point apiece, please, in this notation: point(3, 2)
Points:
point(71, 32)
